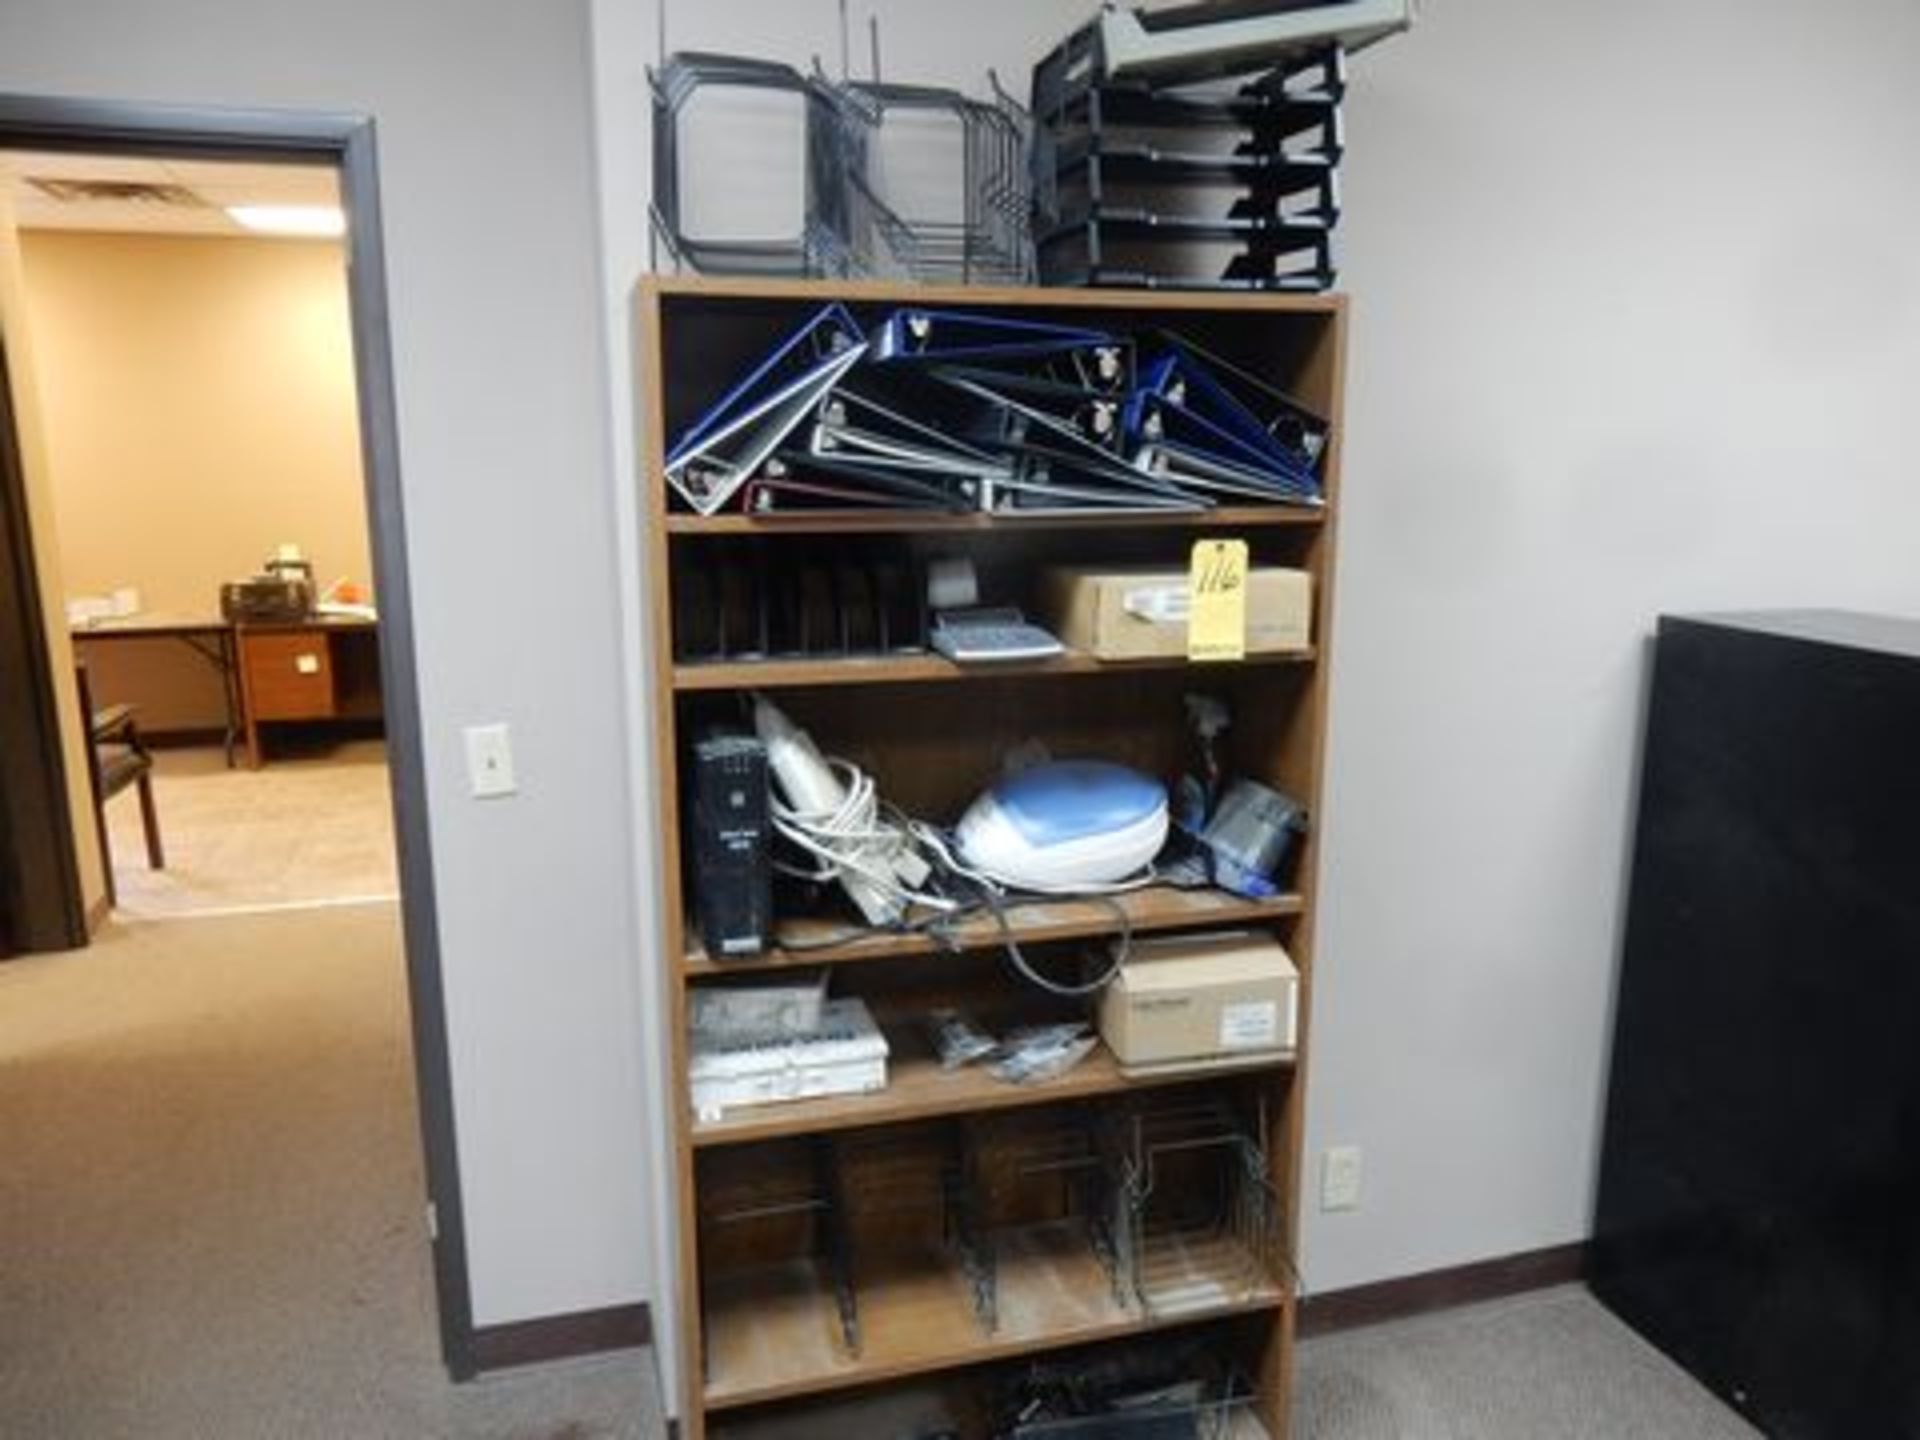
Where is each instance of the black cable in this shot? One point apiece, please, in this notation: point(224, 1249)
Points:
point(939, 926)
point(1016, 957)
point(853, 934)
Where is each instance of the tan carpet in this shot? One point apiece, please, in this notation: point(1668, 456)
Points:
point(306, 827)
point(210, 1226)
point(1551, 1365)
point(210, 1199)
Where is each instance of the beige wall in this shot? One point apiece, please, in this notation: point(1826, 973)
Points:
point(29, 417)
point(199, 406)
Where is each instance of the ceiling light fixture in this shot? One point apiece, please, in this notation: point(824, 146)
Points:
point(323, 220)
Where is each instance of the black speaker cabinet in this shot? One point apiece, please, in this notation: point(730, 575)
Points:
point(1759, 1205)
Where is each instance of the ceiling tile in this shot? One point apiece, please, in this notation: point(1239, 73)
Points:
point(218, 182)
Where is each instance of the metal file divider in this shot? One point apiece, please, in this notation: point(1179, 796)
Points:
point(817, 244)
point(1219, 1237)
point(744, 1199)
point(1057, 1153)
point(1169, 1195)
point(984, 239)
point(852, 224)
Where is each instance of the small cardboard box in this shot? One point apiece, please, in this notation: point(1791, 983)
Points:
point(1193, 1001)
point(1138, 614)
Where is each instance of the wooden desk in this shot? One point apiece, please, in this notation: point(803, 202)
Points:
point(208, 636)
point(323, 669)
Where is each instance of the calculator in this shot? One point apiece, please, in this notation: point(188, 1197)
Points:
point(991, 633)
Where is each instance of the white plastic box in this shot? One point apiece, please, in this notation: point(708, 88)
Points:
point(845, 1055)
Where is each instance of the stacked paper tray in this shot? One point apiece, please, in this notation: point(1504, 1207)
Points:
point(1190, 180)
point(844, 1055)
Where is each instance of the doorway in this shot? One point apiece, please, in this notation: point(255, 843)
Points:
point(193, 370)
point(46, 834)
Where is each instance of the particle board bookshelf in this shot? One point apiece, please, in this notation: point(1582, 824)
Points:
point(758, 1337)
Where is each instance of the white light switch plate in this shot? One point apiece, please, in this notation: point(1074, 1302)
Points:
point(489, 762)
point(1340, 1178)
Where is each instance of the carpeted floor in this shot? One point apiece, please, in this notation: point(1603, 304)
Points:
point(1552, 1365)
point(310, 826)
point(210, 1226)
point(211, 1201)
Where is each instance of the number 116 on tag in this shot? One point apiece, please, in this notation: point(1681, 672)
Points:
point(1217, 623)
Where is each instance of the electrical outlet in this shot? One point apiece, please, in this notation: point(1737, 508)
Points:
point(1340, 1178)
point(489, 762)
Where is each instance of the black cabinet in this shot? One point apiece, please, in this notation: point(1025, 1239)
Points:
point(1759, 1204)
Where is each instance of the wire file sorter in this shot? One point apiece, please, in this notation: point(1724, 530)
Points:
point(733, 101)
point(912, 182)
point(1040, 1182)
point(936, 182)
point(1053, 1219)
point(1197, 1221)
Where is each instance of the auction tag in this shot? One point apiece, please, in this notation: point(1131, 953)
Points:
point(1217, 626)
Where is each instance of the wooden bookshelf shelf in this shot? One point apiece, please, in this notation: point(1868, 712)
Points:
point(1157, 908)
point(877, 522)
point(773, 1333)
point(735, 289)
point(770, 1198)
point(921, 669)
point(918, 1089)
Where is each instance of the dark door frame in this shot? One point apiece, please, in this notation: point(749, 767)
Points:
point(345, 141)
point(41, 905)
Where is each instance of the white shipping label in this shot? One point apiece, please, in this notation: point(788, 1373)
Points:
point(1248, 1024)
point(1159, 604)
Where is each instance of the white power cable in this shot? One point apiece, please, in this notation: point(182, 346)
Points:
point(863, 836)
point(857, 836)
point(873, 850)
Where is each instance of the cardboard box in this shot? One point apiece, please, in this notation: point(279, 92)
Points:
point(1117, 613)
point(1194, 1001)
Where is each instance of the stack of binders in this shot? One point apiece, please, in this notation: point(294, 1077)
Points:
point(945, 410)
point(1199, 147)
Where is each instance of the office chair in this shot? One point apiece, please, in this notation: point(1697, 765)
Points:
point(118, 759)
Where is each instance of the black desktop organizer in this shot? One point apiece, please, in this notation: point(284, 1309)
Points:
point(1189, 184)
point(838, 600)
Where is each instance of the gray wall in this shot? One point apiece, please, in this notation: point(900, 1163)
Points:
point(1635, 329)
point(492, 251)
